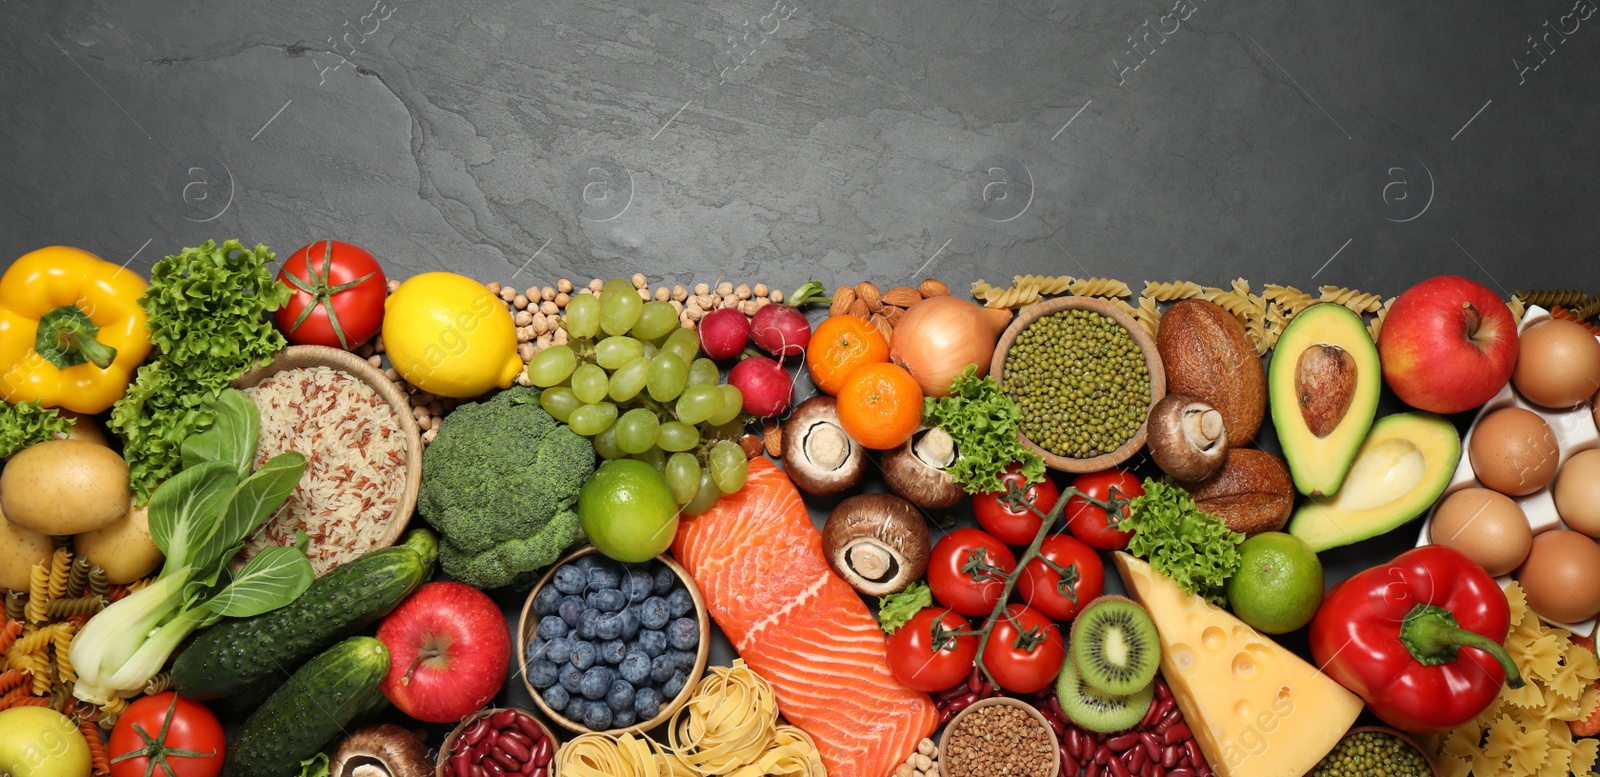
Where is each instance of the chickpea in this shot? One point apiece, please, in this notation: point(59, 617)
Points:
point(564, 286)
point(639, 281)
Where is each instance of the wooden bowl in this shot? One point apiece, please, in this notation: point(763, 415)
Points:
point(1007, 701)
point(461, 729)
point(298, 356)
point(1147, 346)
point(530, 622)
point(1433, 766)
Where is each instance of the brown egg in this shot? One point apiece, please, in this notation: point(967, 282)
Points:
point(1486, 526)
point(1561, 576)
point(1558, 364)
point(1577, 492)
point(1513, 451)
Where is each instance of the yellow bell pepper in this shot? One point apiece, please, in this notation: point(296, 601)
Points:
point(71, 330)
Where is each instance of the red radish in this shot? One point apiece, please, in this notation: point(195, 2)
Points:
point(724, 333)
point(765, 384)
point(780, 330)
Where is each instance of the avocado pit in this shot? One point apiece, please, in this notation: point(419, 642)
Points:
point(1325, 385)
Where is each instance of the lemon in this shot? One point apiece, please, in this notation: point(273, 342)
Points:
point(1278, 587)
point(447, 335)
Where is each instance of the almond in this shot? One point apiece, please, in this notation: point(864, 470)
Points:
point(868, 293)
point(859, 309)
point(884, 327)
point(893, 315)
point(1252, 493)
point(772, 436)
point(1000, 318)
point(933, 287)
point(752, 445)
point(902, 297)
point(841, 301)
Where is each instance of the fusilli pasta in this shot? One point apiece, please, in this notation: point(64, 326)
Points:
point(82, 605)
point(1291, 299)
point(1358, 301)
point(38, 593)
point(17, 605)
point(98, 582)
point(78, 580)
point(1549, 298)
point(1147, 314)
point(1376, 326)
point(1171, 291)
point(1100, 287)
point(60, 571)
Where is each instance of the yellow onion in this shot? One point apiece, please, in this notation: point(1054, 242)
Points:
point(937, 338)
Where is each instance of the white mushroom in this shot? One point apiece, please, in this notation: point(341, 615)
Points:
point(1187, 437)
point(817, 454)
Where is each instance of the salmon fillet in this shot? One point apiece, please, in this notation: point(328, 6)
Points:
point(759, 564)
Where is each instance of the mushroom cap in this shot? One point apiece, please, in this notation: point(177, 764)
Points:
point(1187, 437)
point(877, 542)
point(817, 454)
point(909, 473)
point(384, 750)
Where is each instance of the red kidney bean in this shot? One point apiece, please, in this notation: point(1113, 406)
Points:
point(503, 718)
point(1152, 746)
point(479, 771)
point(1055, 725)
point(1069, 767)
point(1203, 771)
point(1195, 758)
point(1168, 720)
point(1177, 733)
point(975, 680)
point(1093, 770)
point(1123, 741)
point(1102, 754)
point(1116, 769)
point(529, 728)
point(1162, 691)
point(493, 768)
point(962, 703)
point(1180, 772)
point(515, 749)
point(1137, 760)
point(1075, 742)
point(1154, 770)
point(476, 731)
point(1171, 755)
point(541, 752)
point(521, 738)
point(461, 764)
point(504, 759)
point(539, 772)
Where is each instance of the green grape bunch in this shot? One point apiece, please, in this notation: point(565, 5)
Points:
point(634, 382)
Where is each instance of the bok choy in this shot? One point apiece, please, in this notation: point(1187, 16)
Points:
point(200, 518)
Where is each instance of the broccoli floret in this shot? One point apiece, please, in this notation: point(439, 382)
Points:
point(500, 483)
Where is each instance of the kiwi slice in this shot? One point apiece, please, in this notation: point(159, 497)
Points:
point(1115, 646)
point(1097, 710)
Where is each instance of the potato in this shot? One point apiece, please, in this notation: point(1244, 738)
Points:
point(20, 549)
point(124, 549)
point(64, 487)
point(85, 428)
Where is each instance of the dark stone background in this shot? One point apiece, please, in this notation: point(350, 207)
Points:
point(1364, 143)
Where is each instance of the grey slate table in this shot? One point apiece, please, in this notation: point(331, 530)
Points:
point(1364, 143)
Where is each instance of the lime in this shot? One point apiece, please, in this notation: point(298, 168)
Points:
point(1279, 583)
point(627, 510)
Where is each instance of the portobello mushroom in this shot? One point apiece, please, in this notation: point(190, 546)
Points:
point(384, 750)
point(817, 455)
point(916, 469)
point(877, 542)
point(1187, 437)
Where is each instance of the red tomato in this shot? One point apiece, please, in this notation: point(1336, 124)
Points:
point(184, 730)
point(1025, 659)
point(1060, 594)
point(924, 655)
point(968, 569)
point(339, 290)
point(1015, 526)
point(1089, 522)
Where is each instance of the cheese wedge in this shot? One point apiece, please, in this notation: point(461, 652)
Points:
point(1256, 709)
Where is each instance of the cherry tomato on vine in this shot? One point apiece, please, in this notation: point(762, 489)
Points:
point(1088, 521)
point(1024, 650)
point(1015, 525)
point(339, 291)
point(1066, 575)
point(180, 736)
point(927, 655)
point(967, 571)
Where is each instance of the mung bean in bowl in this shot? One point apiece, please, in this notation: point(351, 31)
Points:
point(1376, 750)
point(1085, 375)
point(999, 735)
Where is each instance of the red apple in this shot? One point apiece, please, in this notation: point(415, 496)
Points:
point(449, 649)
point(1448, 345)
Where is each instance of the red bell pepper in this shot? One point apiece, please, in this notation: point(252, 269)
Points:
point(1418, 639)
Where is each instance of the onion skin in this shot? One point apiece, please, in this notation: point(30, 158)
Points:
point(936, 340)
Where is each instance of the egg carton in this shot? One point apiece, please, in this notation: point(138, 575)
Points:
point(1574, 431)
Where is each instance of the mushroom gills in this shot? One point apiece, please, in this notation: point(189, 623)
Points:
point(827, 446)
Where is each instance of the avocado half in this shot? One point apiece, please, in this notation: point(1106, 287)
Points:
point(1323, 383)
point(1400, 470)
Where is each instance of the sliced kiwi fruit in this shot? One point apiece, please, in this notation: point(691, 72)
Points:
point(1097, 710)
point(1115, 646)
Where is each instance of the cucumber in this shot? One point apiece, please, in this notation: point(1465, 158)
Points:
point(330, 692)
point(250, 656)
